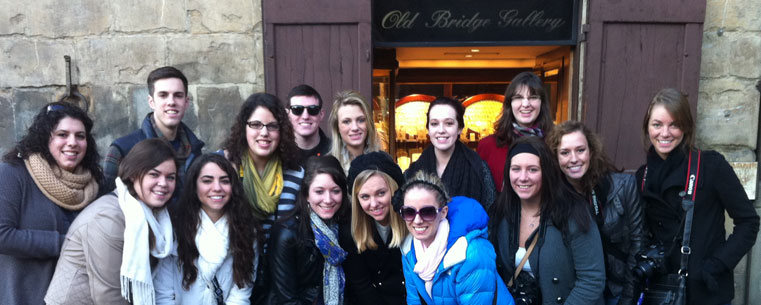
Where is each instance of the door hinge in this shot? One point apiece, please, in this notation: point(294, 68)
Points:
point(584, 32)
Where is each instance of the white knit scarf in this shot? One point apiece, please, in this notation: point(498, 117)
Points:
point(135, 273)
point(428, 259)
point(213, 243)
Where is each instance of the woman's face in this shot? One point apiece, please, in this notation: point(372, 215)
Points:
point(374, 197)
point(663, 132)
point(213, 188)
point(352, 125)
point(525, 106)
point(157, 185)
point(263, 142)
point(324, 196)
point(68, 143)
point(526, 176)
point(442, 127)
point(574, 155)
point(418, 198)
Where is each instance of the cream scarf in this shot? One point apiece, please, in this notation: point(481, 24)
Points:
point(135, 273)
point(213, 244)
point(428, 259)
point(71, 191)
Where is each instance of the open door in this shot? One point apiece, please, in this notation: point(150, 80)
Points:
point(635, 48)
point(323, 43)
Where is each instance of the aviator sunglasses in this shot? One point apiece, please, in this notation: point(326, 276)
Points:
point(426, 214)
point(311, 109)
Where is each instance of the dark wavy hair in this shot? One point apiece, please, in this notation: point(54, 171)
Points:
point(243, 228)
point(559, 202)
point(38, 136)
point(236, 144)
point(504, 125)
point(314, 166)
point(599, 163)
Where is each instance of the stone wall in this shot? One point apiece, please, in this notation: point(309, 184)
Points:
point(728, 105)
point(114, 45)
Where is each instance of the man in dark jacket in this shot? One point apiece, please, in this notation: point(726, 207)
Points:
point(304, 106)
point(167, 89)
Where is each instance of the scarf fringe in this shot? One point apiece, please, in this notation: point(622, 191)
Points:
point(140, 293)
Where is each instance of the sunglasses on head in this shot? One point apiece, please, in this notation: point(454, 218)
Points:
point(426, 214)
point(311, 109)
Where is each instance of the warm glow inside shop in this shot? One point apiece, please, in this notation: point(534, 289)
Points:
point(467, 50)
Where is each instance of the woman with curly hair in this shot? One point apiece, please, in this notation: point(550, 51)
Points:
point(305, 255)
point(525, 112)
point(261, 147)
point(613, 200)
point(351, 127)
point(47, 178)
point(216, 240)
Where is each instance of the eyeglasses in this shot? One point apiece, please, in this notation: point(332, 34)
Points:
point(428, 213)
point(311, 109)
point(258, 126)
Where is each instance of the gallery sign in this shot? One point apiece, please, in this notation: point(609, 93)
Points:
point(474, 22)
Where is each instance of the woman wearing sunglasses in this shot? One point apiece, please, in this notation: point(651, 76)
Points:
point(216, 240)
point(352, 128)
point(305, 256)
point(374, 264)
point(548, 248)
point(461, 170)
point(447, 258)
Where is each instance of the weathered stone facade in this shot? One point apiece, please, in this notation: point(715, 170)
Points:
point(114, 45)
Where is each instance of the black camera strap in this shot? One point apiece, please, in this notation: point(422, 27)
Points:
point(688, 205)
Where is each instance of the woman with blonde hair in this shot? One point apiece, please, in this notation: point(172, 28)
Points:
point(351, 128)
point(374, 264)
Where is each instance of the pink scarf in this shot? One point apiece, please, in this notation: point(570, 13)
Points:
point(428, 259)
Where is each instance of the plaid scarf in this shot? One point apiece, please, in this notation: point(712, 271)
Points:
point(528, 131)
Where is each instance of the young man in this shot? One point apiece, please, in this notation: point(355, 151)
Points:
point(304, 106)
point(167, 96)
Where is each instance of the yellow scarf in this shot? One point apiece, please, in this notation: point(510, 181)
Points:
point(262, 193)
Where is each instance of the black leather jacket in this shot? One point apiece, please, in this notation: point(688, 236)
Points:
point(622, 234)
point(295, 266)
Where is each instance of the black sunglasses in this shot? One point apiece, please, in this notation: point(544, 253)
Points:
point(426, 214)
point(311, 109)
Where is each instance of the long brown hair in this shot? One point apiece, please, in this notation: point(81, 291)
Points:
point(243, 228)
point(599, 163)
point(504, 125)
point(675, 102)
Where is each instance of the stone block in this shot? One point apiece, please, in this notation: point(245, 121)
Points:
point(13, 19)
point(745, 55)
point(26, 104)
point(714, 56)
point(217, 108)
point(126, 59)
point(236, 16)
point(726, 106)
point(8, 137)
point(217, 58)
point(138, 97)
point(55, 19)
point(111, 108)
point(32, 62)
point(739, 15)
point(137, 16)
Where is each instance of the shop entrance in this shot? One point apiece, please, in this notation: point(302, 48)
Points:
point(407, 79)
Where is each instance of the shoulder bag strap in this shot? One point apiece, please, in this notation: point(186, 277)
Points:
point(688, 204)
point(523, 261)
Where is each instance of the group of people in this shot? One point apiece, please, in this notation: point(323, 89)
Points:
point(284, 214)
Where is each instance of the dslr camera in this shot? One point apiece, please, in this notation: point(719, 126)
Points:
point(651, 260)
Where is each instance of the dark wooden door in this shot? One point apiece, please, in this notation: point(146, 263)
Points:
point(633, 49)
point(323, 43)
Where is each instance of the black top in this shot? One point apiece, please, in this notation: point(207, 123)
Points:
point(322, 148)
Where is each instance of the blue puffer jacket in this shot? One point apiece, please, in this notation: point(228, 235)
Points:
point(467, 274)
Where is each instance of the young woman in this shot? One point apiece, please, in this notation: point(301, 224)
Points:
point(525, 111)
point(447, 258)
point(112, 247)
point(540, 215)
point(216, 240)
point(613, 200)
point(47, 178)
point(261, 147)
point(463, 172)
point(305, 257)
point(669, 129)
point(372, 239)
point(352, 128)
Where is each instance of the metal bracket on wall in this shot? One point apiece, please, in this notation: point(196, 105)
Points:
point(584, 32)
point(73, 95)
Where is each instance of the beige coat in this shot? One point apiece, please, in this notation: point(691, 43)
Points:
point(88, 268)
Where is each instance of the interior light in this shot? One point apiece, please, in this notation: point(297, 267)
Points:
point(468, 55)
point(475, 50)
